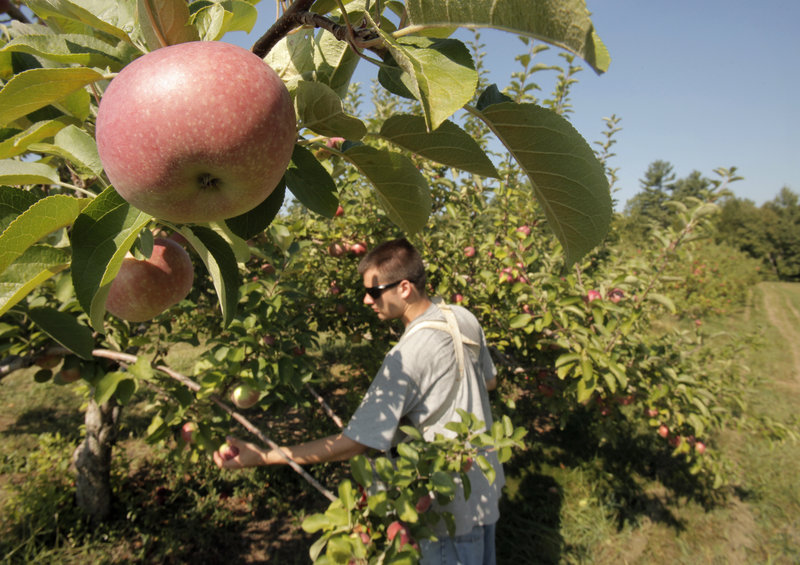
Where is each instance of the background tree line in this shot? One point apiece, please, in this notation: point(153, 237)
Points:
point(769, 233)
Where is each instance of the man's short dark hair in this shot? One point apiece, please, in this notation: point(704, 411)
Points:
point(396, 260)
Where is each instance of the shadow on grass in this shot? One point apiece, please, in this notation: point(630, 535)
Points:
point(39, 421)
point(529, 528)
point(636, 473)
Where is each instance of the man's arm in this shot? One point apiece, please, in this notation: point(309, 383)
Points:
point(336, 447)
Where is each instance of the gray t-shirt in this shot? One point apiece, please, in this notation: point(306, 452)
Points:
point(419, 385)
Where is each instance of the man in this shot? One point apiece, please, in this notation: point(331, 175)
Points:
point(440, 364)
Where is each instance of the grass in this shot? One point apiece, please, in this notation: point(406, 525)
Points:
point(562, 504)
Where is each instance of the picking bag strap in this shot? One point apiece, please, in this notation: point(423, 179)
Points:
point(450, 326)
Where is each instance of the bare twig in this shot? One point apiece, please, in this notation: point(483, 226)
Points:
point(325, 406)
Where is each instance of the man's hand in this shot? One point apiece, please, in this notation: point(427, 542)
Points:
point(238, 454)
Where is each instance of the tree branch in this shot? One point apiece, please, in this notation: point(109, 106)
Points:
point(14, 363)
point(298, 15)
point(249, 426)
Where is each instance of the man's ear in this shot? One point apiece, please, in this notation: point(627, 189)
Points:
point(407, 289)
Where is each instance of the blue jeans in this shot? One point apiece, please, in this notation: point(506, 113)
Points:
point(473, 548)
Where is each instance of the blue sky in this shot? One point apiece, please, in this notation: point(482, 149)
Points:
point(701, 84)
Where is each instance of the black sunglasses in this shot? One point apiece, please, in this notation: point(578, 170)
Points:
point(376, 291)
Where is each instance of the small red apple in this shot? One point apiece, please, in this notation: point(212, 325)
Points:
point(339, 211)
point(244, 396)
point(592, 295)
point(335, 288)
point(336, 250)
point(48, 361)
point(393, 529)
point(268, 340)
point(298, 351)
point(424, 503)
point(143, 289)
point(228, 452)
point(467, 465)
point(524, 230)
point(700, 447)
point(268, 269)
point(663, 431)
point(358, 248)
point(196, 132)
point(458, 298)
point(469, 251)
point(652, 412)
point(615, 295)
point(187, 431)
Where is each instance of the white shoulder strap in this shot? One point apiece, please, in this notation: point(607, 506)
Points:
point(450, 326)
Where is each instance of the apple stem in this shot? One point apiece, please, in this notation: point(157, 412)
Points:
point(76, 189)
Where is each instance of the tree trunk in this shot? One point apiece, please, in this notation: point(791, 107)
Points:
point(92, 460)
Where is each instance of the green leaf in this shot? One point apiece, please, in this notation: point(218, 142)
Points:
point(407, 452)
point(437, 72)
point(76, 146)
point(293, 58)
point(65, 329)
point(73, 48)
point(405, 509)
point(255, 221)
point(17, 142)
point(362, 470)
point(448, 144)
point(220, 261)
point(315, 523)
point(347, 494)
point(20, 173)
point(491, 95)
point(665, 301)
point(35, 266)
point(564, 23)
point(215, 19)
point(334, 62)
point(567, 179)
point(320, 109)
point(165, 22)
point(36, 88)
point(306, 55)
point(520, 321)
point(402, 190)
point(311, 183)
point(487, 468)
point(102, 235)
point(412, 432)
point(113, 18)
point(586, 386)
point(106, 386)
point(43, 217)
point(13, 202)
point(443, 483)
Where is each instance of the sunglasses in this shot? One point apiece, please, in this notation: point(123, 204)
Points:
point(376, 291)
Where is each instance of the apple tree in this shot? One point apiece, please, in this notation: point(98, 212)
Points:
point(73, 209)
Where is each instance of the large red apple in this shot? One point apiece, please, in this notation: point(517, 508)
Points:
point(144, 288)
point(196, 132)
